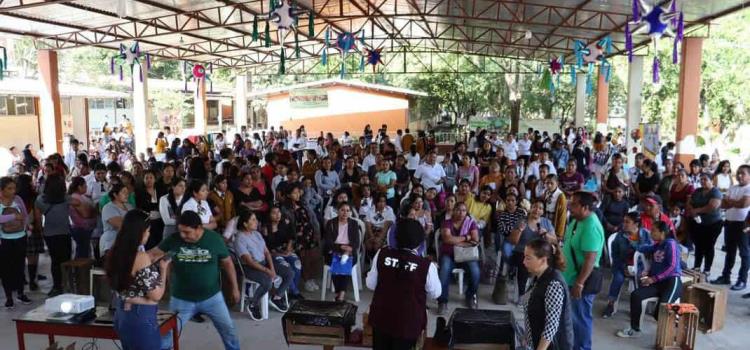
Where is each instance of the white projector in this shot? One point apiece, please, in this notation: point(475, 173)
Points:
point(69, 304)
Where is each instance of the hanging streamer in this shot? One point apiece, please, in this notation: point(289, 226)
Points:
point(362, 63)
point(589, 84)
point(636, 11)
point(655, 70)
point(282, 66)
point(311, 25)
point(628, 42)
point(296, 44)
point(3, 62)
point(573, 75)
point(324, 57)
point(255, 28)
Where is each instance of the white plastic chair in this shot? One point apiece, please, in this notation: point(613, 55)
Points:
point(327, 281)
point(248, 290)
point(639, 259)
point(456, 271)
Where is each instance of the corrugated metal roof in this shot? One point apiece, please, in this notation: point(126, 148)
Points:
point(334, 82)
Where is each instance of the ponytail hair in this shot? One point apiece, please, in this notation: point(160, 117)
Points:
point(550, 248)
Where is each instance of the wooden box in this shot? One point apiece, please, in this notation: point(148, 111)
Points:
point(677, 331)
point(75, 276)
point(315, 335)
point(690, 277)
point(711, 302)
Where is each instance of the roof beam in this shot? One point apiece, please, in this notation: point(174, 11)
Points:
point(572, 15)
point(25, 5)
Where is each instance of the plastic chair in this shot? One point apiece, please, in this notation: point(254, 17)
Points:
point(328, 281)
point(640, 259)
point(95, 271)
point(457, 271)
point(248, 290)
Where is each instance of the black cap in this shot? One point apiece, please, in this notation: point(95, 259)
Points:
point(409, 233)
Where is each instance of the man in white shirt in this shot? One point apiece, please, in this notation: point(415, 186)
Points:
point(534, 166)
point(524, 148)
point(281, 170)
point(510, 147)
point(71, 154)
point(169, 136)
point(226, 155)
point(430, 174)
point(397, 141)
point(396, 263)
point(737, 205)
point(371, 158)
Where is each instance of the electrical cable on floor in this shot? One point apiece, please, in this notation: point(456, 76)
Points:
point(114, 342)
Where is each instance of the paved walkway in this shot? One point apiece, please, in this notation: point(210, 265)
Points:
point(268, 334)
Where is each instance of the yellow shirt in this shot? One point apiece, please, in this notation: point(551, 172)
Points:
point(161, 146)
point(478, 210)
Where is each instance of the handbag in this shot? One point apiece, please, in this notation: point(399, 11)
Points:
point(593, 284)
point(464, 254)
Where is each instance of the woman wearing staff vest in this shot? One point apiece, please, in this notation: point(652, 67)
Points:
point(402, 281)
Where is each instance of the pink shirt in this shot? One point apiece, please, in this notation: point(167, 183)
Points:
point(343, 236)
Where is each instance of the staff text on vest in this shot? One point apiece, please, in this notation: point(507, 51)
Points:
point(393, 262)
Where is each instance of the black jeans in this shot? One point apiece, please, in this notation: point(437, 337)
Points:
point(735, 239)
point(668, 291)
point(704, 236)
point(12, 261)
point(382, 341)
point(60, 250)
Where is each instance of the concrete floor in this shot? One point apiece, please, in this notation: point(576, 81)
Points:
point(268, 334)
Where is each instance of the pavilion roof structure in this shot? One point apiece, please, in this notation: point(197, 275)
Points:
point(220, 31)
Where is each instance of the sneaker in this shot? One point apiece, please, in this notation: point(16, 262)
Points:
point(310, 286)
point(33, 286)
point(628, 333)
point(609, 311)
point(198, 318)
point(23, 299)
point(254, 312)
point(746, 296)
point(473, 303)
point(9, 304)
point(739, 286)
point(442, 308)
point(722, 280)
point(41, 277)
point(279, 305)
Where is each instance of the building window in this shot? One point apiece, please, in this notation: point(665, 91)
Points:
point(17, 105)
point(213, 112)
point(65, 106)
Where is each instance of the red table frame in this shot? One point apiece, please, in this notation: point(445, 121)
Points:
point(51, 329)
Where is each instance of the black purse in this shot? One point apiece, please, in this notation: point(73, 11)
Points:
point(593, 284)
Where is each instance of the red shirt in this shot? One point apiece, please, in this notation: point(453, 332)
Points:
point(648, 223)
point(267, 172)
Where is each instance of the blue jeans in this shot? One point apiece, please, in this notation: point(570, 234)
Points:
point(82, 237)
point(296, 265)
point(582, 321)
point(137, 327)
point(213, 307)
point(618, 278)
point(446, 271)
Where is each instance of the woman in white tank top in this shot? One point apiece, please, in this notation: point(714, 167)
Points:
point(723, 176)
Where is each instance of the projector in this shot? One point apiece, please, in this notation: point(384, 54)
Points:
point(69, 304)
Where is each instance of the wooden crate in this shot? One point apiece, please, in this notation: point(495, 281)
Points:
point(711, 302)
point(75, 275)
point(676, 331)
point(690, 277)
point(315, 335)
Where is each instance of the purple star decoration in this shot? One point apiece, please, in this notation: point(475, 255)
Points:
point(655, 21)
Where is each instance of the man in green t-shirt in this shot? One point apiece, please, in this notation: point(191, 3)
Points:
point(196, 287)
point(583, 244)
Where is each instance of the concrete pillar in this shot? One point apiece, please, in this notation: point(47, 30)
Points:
point(201, 107)
point(140, 108)
point(580, 111)
point(50, 113)
point(635, 103)
point(688, 103)
point(240, 102)
point(602, 103)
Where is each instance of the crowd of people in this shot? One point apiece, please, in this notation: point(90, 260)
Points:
point(275, 209)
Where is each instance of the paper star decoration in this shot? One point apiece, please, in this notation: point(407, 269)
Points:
point(374, 57)
point(556, 65)
point(197, 72)
point(656, 22)
point(588, 56)
point(129, 57)
point(345, 42)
